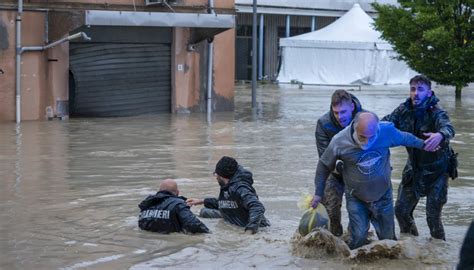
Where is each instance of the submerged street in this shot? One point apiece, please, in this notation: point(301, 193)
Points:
point(69, 190)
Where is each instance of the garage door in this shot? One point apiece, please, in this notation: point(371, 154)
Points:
point(119, 79)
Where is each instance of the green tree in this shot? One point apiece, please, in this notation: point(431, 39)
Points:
point(434, 37)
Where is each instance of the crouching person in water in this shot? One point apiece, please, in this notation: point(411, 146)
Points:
point(364, 146)
point(165, 212)
point(238, 201)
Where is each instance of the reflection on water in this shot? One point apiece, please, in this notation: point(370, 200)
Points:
point(69, 190)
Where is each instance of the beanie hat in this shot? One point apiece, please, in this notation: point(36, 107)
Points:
point(226, 167)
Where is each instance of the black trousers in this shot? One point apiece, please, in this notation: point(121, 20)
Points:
point(408, 197)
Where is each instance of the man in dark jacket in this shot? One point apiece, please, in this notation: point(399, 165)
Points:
point(165, 212)
point(425, 173)
point(466, 260)
point(238, 201)
point(344, 107)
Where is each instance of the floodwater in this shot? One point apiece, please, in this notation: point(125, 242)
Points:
point(69, 189)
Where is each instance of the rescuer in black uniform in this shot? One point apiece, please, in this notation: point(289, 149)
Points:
point(165, 212)
point(238, 202)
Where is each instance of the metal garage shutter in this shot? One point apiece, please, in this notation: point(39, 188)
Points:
point(120, 79)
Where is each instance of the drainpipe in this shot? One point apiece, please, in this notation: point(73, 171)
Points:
point(254, 55)
point(260, 48)
point(210, 61)
point(20, 50)
point(18, 61)
point(50, 45)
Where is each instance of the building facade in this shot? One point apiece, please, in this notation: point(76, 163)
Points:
point(119, 58)
point(279, 19)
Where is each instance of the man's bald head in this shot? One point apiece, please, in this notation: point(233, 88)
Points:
point(366, 121)
point(169, 185)
point(366, 125)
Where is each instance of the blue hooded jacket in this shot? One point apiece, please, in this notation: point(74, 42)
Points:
point(367, 172)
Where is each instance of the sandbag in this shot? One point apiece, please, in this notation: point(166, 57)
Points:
point(314, 218)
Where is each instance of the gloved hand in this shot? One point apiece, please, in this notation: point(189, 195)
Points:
point(316, 200)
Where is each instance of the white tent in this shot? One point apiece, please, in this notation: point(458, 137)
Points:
point(348, 51)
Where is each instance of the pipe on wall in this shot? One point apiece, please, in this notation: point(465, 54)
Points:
point(20, 50)
point(260, 48)
point(57, 42)
point(18, 63)
point(254, 55)
point(210, 62)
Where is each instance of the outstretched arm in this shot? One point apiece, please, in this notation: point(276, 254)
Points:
point(208, 202)
point(194, 201)
point(445, 131)
point(189, 222)
point(326, 164)
point(256, 209)
point(322, 173)
point(443, 125)
point(212, 203)
point(399, 137)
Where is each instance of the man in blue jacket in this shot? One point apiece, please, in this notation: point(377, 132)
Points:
point(238, 202)
point(165, 212)
point(364, 148)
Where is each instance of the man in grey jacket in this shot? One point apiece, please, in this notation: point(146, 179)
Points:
point(364, 148)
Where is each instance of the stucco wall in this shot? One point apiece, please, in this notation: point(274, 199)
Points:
point(58, 75)
point(45, 74)
point(189, 70)
point(185, 72)
point(189, 73)
point(224, 65)
point(7, 64)
point(34, 68)
point(224, 71)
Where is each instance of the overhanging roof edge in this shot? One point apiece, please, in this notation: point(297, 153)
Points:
point(294, 11)
point(158, 19)
point(336, 44)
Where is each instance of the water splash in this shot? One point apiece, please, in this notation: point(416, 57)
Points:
point(320, 244)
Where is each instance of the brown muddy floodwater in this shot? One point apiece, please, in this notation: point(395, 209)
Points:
point(69, 189)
